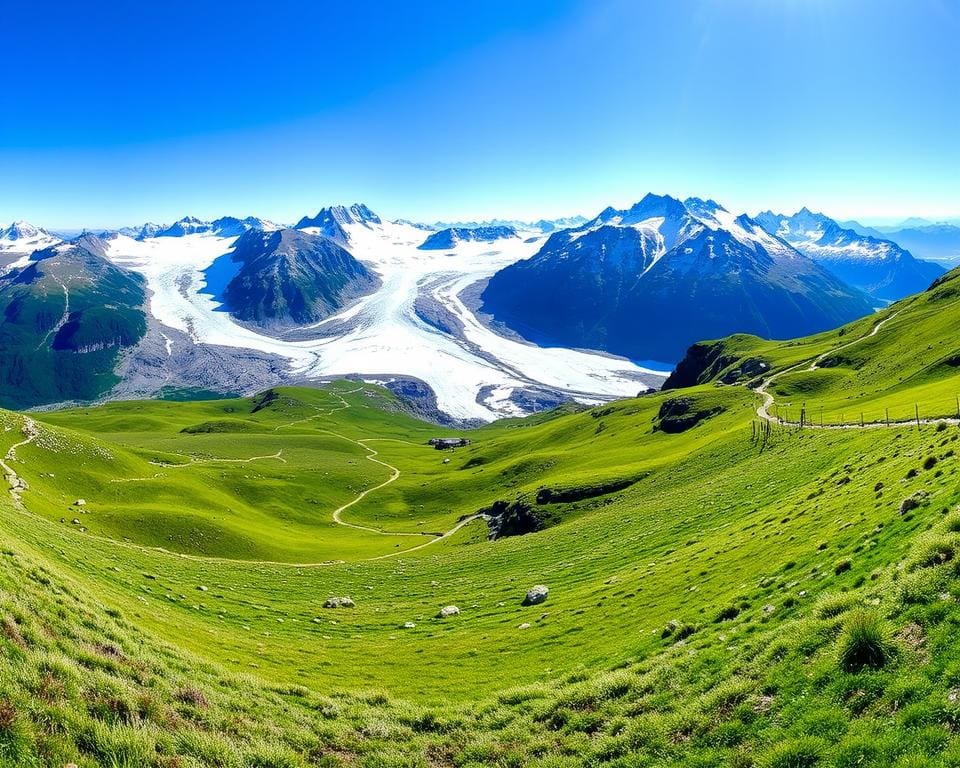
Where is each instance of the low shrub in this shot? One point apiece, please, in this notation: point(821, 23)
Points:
point(727, 614)
point(842, 566)
point(934, 551)
point(865, 642)
point(829, 606)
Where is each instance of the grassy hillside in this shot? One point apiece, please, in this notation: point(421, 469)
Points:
point(717, 596)
point(912, 363)
point(64, 320)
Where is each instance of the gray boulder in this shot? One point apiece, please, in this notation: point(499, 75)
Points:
point(339, 602)
point(536, 595)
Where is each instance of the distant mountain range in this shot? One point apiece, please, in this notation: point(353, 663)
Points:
point(21, 237)
point(648, 281)
point(543, 225)
point(873, 264)
point(450, 237)
point(234, 301)
point(933, 242)
point(226, 226)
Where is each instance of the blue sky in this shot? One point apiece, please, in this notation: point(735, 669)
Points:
point(431, 110)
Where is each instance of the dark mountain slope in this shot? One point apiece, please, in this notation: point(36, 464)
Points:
point(448, 238)
point(649, 281)
point(289, 278)
point(64, 320)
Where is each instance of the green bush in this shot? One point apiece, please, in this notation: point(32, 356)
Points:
point(727, 614)
point(864, 643)
point(934, 551)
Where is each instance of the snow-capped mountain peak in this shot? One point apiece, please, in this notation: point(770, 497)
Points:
point(225, 226)
point(700, 207)
point(143, 231)
point(22, 230)
point(334, 221)
point(654, 206)
point(24, 237)
point(188, 225)
point(877, 266)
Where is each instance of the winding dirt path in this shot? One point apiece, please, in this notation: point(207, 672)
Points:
point(18, 484)
point(394, 474)
point(763, 410)
point(31, 432)
point(217, 460)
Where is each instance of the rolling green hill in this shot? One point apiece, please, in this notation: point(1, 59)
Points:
point(721, 592)
point(911, 364)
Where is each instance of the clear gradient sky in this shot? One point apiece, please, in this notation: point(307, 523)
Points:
point(118, 112)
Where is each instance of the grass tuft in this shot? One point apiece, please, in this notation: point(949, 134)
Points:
point(864, 643)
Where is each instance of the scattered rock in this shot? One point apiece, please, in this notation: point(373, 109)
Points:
point(913, 636)
point(409, 625)
point(768, 608)
point(75, 521)
point(525, 625)
point(80, 503)
point(202, 588)
point(763, 704)
point(536, 595)
point(448, 611)
point(339, 602)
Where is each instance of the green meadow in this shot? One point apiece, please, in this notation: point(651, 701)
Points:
point(718, 594)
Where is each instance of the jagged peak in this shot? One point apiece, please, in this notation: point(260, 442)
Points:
point(357, 213)
point(23, 230)
point(699, 205)
point(655, 204)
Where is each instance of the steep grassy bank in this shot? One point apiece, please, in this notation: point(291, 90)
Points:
point(911, 365)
